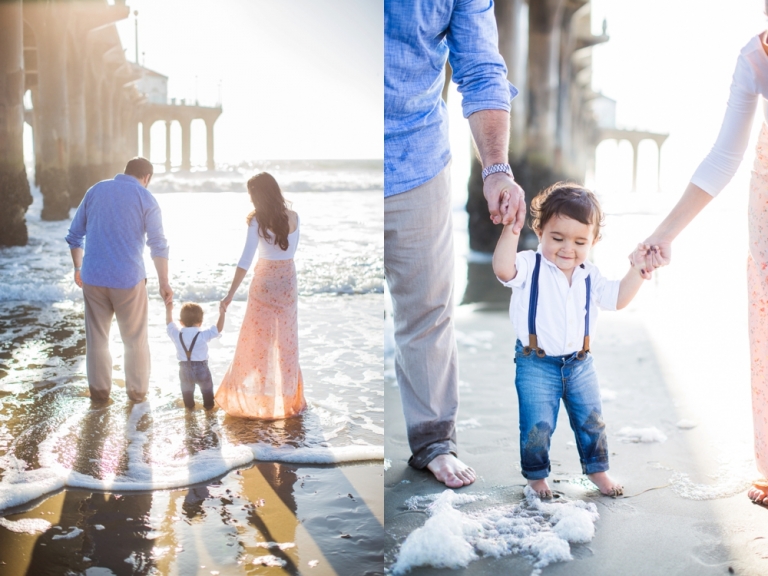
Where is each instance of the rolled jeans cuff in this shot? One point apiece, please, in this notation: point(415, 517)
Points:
point(429, 453)
point(594, 465)
point(536, 473)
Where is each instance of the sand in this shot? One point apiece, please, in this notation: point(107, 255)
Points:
point(298, 519)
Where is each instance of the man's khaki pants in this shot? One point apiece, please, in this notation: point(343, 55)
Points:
point(130, 306)
point(418, 264)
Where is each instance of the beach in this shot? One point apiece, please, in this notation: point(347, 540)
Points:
point(183, 489)
point(674, 374)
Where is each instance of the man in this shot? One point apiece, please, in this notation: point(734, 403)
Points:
point(115, 216)
point(420, 35)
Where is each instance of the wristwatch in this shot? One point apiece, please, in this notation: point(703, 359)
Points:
point(494, 168)
point(78, 268)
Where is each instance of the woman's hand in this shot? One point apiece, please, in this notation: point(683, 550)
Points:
point(224, 304)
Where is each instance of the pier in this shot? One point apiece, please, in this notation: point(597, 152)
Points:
point(87, 103)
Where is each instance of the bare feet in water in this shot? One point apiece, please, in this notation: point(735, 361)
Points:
point(541, 488)
point(606, 486)
point(759, 492)
point(451, 471)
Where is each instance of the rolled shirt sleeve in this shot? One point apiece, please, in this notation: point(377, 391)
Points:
point(719, 166)
point(478, 69)
point(77, 227)
point(158, 245)
point(605, 293)
point(522, 265)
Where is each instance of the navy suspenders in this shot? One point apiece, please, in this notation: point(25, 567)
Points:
point(191, 346)
point(533, 345)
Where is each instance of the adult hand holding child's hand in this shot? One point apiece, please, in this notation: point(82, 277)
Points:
point(495, 187)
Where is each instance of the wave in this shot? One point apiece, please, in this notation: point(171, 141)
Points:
point(20, 486)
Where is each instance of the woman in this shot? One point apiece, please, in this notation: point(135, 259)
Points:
point(264, 379)
point(750, 81)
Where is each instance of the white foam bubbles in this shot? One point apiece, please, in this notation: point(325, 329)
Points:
point(542, 532)
point(25, 525)
point(73, 533)
point(641, 435)
point(317, 455)
point(731, 478)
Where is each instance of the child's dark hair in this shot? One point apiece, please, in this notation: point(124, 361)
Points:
point(191, 314)
point(569, 200)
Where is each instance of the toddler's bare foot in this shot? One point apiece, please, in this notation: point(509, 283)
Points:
point(541, 488)
point(759, 492)
point(606, 486)
point(451, 471)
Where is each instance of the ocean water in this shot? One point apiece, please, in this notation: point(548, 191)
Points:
point(51, 438)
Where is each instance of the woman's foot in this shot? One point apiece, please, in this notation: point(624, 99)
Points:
point(541, 488)
point(759, 492)
point(451, 471)
point(606, 486)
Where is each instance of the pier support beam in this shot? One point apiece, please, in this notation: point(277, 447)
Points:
point(186, 164)
point(49, 22)
point(146, 141)
point(14, 186)
point(209, 145)
point(78, 170)
point(167, 146)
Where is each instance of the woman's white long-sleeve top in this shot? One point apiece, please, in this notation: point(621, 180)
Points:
point(750, 81)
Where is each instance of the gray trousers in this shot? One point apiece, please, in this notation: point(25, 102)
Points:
point(131, 308)
point(418, 264)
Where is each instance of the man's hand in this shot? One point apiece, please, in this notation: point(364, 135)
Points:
point(511, 211)
point(166, 293)
point(78, 279)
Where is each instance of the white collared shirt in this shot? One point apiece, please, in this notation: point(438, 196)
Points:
point(561, 308)
point(200, 351)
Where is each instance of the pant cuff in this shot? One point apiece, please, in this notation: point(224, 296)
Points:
point(595, 466)
point(537, 474)
point(429, 453)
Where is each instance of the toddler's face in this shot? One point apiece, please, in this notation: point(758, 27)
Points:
point(566, 242)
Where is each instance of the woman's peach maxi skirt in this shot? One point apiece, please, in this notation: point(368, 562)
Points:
point(264, 379)
point(758, 298)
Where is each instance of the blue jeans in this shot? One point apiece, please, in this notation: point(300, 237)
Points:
point(540, 384)
point(191, 373)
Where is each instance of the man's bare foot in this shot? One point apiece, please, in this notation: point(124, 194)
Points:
point(451, 471)
point(606, 486)
point(541, 488)
point(759, 492)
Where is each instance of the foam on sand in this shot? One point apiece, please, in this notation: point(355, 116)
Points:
point(641, 435)
point(542, 532)
point(26, 525)
point(729, 479)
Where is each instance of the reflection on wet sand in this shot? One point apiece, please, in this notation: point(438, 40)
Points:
point(326, 519)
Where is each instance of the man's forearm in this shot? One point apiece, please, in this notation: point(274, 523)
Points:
point(490, 131)
point(161, 265)
point(77, 257)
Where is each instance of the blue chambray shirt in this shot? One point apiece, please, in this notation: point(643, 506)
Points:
point(116, 216)
point(419, 36)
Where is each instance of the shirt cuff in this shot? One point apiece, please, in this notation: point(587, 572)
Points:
point(610, 296)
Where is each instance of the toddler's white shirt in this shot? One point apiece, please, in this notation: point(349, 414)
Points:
point(561, 308)
point(750, 81)
point(200, 351)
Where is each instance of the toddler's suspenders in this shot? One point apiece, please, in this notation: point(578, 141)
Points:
point(533, 345)
point(191, 346)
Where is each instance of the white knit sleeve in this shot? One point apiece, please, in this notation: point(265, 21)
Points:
point(251, 243)
point(717, 169)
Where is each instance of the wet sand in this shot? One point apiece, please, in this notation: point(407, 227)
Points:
point(676, 360)
point(269, 518)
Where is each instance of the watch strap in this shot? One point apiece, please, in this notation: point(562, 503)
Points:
point(495, 168)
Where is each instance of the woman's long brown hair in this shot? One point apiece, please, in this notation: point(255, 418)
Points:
point(270, 209)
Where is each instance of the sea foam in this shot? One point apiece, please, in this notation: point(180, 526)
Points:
point(542, 532)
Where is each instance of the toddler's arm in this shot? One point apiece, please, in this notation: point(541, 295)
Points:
point(222, 314)
point(505, 254)
point(169, 313)
point(630, 284)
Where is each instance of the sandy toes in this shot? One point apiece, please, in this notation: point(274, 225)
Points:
point(759, 492)
point(451, 471)
point(606, 486)
point(541, 487)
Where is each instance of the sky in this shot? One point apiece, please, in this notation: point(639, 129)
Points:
point(297, 78)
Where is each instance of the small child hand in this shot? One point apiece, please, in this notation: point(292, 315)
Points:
point(642, 260)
